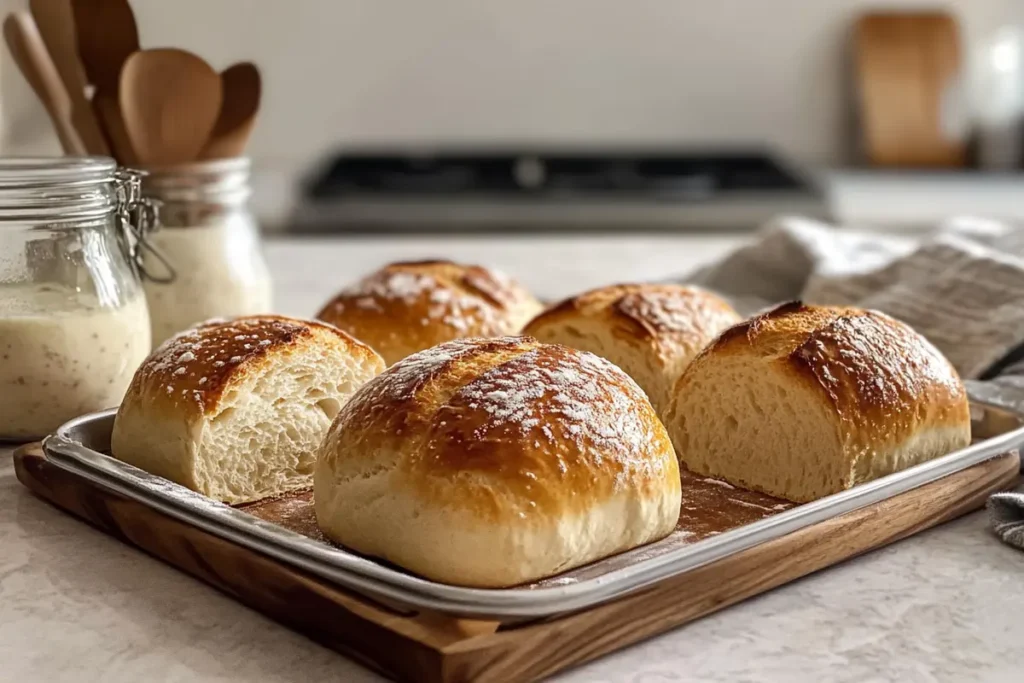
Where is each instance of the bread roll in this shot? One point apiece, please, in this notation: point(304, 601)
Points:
point(493, 462)
point(407, 307)
point(236, 410)
point(805, 401)
point(650, 331)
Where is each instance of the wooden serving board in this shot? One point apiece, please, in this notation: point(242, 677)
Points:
point(436, 648)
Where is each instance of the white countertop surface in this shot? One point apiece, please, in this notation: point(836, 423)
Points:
point(76, 605)
point(917, 201)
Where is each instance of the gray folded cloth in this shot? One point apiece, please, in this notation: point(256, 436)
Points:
point(961, 286)
point(1006, 512)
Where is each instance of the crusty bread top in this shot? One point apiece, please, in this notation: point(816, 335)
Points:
point(504, 426)
point(193, 370)
point(878, 373)
point(674, 319)
point(416, 305)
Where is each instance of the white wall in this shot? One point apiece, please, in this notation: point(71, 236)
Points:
point(569, 71)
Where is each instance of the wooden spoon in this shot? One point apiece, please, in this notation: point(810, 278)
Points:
point(108, 111)
point(107, 34)
point(242, 88)
point(29, 52)
point(57, 27)
point(170, 100)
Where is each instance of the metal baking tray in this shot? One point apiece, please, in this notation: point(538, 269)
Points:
point(79, 446)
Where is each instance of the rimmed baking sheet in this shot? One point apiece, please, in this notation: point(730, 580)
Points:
point(79, 446)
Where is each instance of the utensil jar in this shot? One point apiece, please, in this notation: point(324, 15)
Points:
point(73, 319)
point(211, 240)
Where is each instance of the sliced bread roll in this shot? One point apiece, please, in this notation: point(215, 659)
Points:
point(493, 462)
point(651, 331)
point(236, 410)
point(407, 307)
point(805, 401)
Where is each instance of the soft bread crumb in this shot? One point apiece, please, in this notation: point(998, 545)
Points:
point(234, 426)
point(804, 401)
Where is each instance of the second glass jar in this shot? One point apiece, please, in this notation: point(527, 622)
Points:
point(211, 241)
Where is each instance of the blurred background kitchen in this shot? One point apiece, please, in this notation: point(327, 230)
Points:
point(607, 115)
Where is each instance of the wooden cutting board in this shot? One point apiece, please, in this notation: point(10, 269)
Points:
point(908, 68)
point(440, 649)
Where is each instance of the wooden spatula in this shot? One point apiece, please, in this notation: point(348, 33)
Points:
point(242, 86)
point(30, 54)
point(170, 100)
point(56, 24)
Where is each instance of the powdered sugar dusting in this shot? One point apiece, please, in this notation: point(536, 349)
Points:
point(195, 361)
point(568, 410)
point(755, 506)
point(466, 313)
point(441, 296)
point(393, 285)
point(368, 303)
point(401, 381)
point(555, 395)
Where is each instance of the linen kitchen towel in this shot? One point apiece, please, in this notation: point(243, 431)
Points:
point(1007, 513)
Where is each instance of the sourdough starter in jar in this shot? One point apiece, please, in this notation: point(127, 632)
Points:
point(73, 320)
point(220, 273)
point(211, 241)
point(62, 354)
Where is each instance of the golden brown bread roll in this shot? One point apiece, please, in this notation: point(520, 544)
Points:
point(407, 307)
point(236, 410)
point(651, 331)
point(805, 401)
point(493, 462)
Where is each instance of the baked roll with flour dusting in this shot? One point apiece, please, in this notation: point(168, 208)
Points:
point(494, 462)
point(236, 410)
point(407, 307)
point(805, 401)
point(652, 331)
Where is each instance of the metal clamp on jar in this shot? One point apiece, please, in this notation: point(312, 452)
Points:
point(212, 242)
point(73, 319)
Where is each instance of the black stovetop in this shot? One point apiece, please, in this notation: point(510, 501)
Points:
point(678, 176)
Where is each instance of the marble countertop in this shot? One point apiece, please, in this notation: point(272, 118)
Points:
point(77, 605)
